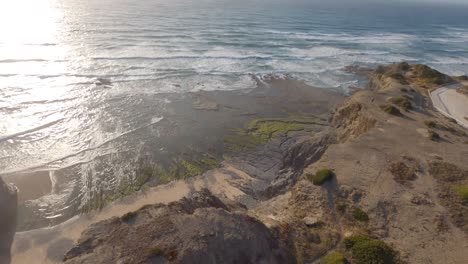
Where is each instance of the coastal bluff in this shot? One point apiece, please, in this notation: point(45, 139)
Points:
point(377, 177)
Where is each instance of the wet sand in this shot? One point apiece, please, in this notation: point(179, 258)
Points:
point(30, 186)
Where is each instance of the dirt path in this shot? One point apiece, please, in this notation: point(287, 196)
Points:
point(450, 103)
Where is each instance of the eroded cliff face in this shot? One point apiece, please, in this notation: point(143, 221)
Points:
point(8, 208)
point(199, 229)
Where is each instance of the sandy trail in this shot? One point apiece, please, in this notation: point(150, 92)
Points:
point(451, 103)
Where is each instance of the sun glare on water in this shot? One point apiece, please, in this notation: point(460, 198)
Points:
point(27, 21)
point(26, 28)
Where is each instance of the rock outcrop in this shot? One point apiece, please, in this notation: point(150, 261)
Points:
point(8, 208)
point(200, 229)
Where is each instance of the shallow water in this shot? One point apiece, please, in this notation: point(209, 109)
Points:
point(77, 77)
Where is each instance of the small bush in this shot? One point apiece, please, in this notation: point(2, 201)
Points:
point(402, 172)
point(334, 258)
point(370, 251)
point(373, 252)
point(390, 109)
point(321, 176)
point(380, 69)
point(404, 90)
point(155, 251)
point(429, 75)
point(433, 135)
point(462, 191)
point(350, 241)
point(403, 102)
point(404, 66)
point(399, 77)
point(360, 215)
point(128, 216)
point(430, 123)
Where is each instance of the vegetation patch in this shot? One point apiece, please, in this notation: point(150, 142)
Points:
point(335, 258)
point(390, 109)
point(453, 192)
point(403, 102)
point(404, 66)
point(128, 217)
point(370, 251)
point(402, 172)
point(434, 136)
point(360, 215)
point(155, 252)
point(462, 191)
point(399, 77)
point(430, 123)
point(321, 176)
point(426, 75)
point(447, 172)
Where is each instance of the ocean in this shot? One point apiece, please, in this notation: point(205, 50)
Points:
point(75, 75)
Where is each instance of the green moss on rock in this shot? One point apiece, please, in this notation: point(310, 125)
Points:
point(261, 131)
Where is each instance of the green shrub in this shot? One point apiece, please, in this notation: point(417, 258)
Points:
point(428, 75)
point(399, 77)
point(370, 251)
point(373, 252)
point(334, 258)
point(155, 251)
point(360, 215)
point(430, 123)
point(350, 241)
point(321, 176)
point(404, 66)
point(390, 109)
point(433, 135)
point(462, 191)
point(403, 102)
point(128, 216)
